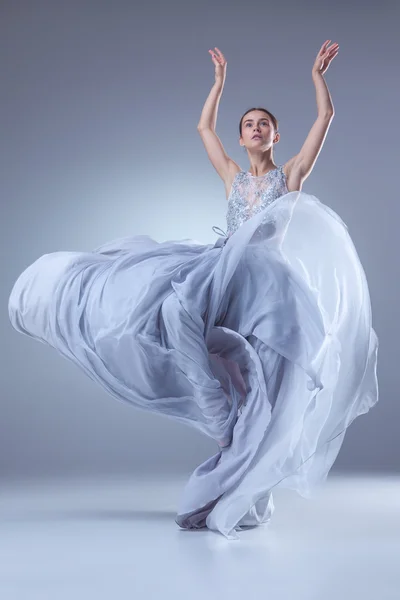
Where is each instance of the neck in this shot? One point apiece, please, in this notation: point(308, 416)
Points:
point(261, 163)
point(258, 169)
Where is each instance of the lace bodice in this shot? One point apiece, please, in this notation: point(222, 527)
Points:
point(250, 194)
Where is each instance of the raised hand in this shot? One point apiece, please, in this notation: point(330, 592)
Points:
point(325, 57)
point(220, 64)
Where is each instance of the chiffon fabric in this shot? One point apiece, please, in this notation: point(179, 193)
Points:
point(262, 341)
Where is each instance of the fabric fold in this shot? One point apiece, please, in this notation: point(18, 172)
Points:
point(262, 341)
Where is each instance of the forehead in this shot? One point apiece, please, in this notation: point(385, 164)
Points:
point(255, 115)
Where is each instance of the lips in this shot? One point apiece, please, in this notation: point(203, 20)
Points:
point(256, 136)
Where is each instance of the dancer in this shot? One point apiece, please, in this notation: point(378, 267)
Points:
point(262, 341)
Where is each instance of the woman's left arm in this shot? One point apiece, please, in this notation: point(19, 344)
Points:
point(304, 161)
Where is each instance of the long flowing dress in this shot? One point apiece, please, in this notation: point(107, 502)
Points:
point(262, 341)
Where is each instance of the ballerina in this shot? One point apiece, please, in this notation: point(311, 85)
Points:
point(259, 132)
point(262, 341)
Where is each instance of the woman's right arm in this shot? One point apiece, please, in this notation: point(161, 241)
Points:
point(206, 126)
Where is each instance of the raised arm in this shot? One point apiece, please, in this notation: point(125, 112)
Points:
point(206, 126)
point(303, 163)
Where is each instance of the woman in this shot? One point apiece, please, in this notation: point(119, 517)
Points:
point(262, 341)
point(259, 132)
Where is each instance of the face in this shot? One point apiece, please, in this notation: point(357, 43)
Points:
point(260, 124)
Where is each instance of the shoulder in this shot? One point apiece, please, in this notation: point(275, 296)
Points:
point(293, 180)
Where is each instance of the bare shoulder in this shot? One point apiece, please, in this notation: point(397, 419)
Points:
point(233, 170)
point(294, 181)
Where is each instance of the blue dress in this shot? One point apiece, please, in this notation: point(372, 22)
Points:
point(262, 341)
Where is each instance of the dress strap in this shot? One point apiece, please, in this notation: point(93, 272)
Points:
point(214, 227)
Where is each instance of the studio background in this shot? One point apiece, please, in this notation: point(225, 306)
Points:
point(99, 107)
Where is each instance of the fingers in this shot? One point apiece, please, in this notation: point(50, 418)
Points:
point(214, 58)
point(333, 48)
point(332, 51)
point(218, 55)
point(324, 48)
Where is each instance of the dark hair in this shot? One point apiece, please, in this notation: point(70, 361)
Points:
point(274, 119)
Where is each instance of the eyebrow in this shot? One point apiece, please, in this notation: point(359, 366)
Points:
point(262, 119)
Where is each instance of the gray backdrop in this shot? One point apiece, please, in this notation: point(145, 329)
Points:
point(99, 106)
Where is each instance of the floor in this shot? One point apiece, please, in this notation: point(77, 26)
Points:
point(116, 538)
